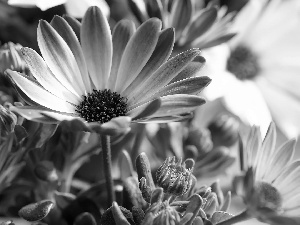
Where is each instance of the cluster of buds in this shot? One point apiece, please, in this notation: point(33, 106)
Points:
point(177, 200)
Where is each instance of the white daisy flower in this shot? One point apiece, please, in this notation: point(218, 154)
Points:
point(257, 73)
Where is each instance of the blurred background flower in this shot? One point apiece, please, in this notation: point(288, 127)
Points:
point(75, 8)
point(197, 24)
point(269, 186)
point(257, 72)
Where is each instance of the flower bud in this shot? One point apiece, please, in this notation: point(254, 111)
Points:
point(224, 130)
point(144, 170)
point(10, 58)
point(8, 120)
point(174, 177)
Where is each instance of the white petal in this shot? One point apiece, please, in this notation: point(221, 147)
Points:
point(96, 44)
point(77, 8)
point(42, 4)
point(59, 58)
point(40, 95)
point(284, 107)
point(66, 32)
point(45, 77)
point(242, 98)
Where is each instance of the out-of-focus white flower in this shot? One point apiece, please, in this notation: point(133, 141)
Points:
point(270, 186)
point(75, 8)
point(258, 71)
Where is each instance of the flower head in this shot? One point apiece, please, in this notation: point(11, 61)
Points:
point(89, 74)
point(202, 27)
point(258, 84)
point(269, 187)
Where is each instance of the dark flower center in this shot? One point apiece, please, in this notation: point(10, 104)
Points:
point(102, 106)
point(243, 63)
point(269, 196)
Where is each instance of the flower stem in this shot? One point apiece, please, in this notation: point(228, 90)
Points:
point(236, 219)
point(106, 151)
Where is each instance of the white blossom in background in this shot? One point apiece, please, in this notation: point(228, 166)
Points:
point(257, 72)
point(75, 8)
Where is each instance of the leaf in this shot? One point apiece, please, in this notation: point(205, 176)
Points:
point(36, 211)
point(220, 216)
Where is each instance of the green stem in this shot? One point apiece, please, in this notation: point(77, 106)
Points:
point(236, 219)
point(106, 151)
point(66, 176)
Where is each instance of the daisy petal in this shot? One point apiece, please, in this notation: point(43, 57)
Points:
point(159, 56)
point(282, 158)
point(215, 42)
point(291, 180)
point(139, 10)
point(77, 8)
point(42, 4)
point(145, 110)
point(267, 150)
point(24, 96)
point(45, 77)
point(289, 107)
point(66, 32)
point(201, 23)
point(33, 113)
point(60, 117)
point(59, 58)
point(191, 86)
point(155, 9)
point(292, 202)
point(288, 170)
point(253, 145)
point(191, 70)
point(120, 37)
point(75, 24)
point(39, 94)
point(167, 119)
point(96, 44)
point(178, 104)
point(181, 13)
point(137, 52)
point(164, 75)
